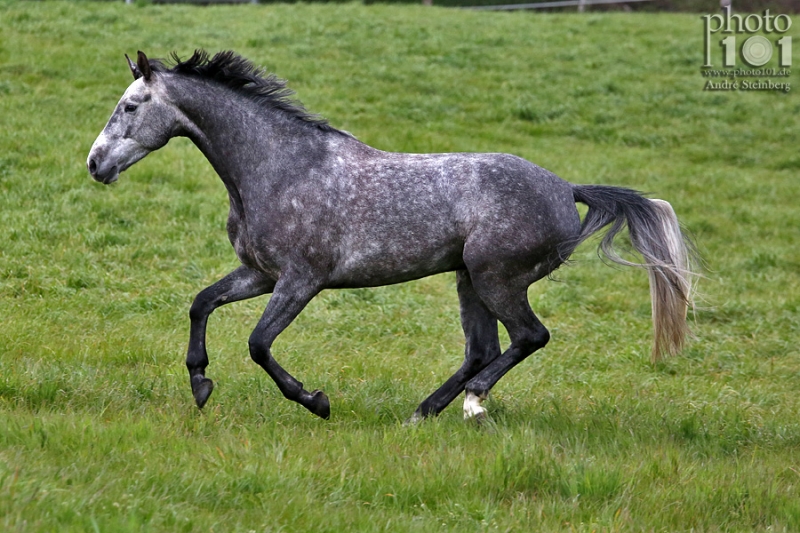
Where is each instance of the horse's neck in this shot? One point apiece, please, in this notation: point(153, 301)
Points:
point(241, 138)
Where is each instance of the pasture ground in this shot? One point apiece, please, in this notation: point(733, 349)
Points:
point(98, 430)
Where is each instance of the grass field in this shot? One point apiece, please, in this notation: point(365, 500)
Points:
point(98, 429)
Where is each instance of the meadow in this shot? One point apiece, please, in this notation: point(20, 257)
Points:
point(98, 428)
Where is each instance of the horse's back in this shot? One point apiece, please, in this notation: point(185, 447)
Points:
point(418, 214)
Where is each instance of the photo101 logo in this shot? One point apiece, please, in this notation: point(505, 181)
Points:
point(737, 33)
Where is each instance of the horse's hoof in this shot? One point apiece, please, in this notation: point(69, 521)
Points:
point(479, 418)
point(414, 419)
point(201, 391)
point(320, 405)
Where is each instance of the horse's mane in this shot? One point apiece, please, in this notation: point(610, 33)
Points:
point(233, 71)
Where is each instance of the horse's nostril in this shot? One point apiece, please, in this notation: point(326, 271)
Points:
point(92, 167)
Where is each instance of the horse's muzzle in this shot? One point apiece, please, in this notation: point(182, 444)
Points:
point(102, 175)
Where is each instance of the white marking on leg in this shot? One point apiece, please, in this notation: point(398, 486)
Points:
point(415, 419)
point(472, 406)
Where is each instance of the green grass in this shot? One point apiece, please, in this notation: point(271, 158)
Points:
point(98, 430)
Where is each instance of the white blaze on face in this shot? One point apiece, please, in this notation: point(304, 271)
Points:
point(134, 92)
point(113, 151)
point(473, 408)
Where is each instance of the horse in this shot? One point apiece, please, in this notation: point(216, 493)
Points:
point(313, 208)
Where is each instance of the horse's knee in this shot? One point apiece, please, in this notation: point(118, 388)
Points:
point(259, 349)
point(201, 307)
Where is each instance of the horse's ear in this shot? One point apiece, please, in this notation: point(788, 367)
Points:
point(134, 69)
point(144, 66)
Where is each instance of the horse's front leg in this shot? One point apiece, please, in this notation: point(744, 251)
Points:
point(241, 284)
point(291, 294)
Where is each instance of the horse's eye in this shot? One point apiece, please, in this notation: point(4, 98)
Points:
point(130, 108)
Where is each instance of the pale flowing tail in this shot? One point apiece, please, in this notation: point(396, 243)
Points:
point(668, 254)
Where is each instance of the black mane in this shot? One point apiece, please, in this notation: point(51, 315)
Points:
point(232, 70)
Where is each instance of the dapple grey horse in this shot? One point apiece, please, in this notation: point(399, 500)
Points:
point(313, 208)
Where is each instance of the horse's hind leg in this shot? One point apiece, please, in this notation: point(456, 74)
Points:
point(241, 284)
point(482, 347)
point(291, 294)
point(509, 303)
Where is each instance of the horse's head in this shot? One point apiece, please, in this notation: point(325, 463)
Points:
point(142, 122)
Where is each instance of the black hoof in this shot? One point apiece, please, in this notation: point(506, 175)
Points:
point(320, 405)
point(201, 390)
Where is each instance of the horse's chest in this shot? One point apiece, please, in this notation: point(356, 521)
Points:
point(237, 234)
point(244, 243)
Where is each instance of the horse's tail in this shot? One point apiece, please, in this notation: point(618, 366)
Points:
point(668, 254)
